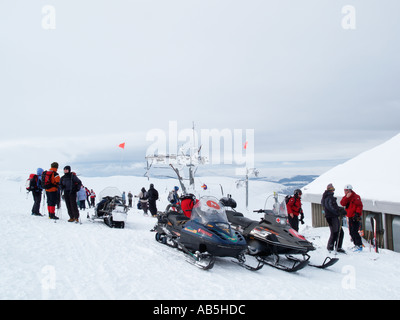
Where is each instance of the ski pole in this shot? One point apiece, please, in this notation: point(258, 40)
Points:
point(340, 231)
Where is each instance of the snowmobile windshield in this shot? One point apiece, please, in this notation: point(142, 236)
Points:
point(209, 210)
point(110, 192)
point(276, 205)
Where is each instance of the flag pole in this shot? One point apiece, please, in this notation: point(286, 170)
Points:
point(122, 146)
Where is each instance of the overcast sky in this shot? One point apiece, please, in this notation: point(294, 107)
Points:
point(104, 72)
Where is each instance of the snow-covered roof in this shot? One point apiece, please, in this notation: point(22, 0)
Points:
point(374, 175)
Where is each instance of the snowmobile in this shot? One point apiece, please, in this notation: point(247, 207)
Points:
point(203, 236)
point(111, 209)
point(272, 238)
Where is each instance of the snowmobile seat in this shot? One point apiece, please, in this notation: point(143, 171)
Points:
point(177, 219)
point(238, 219)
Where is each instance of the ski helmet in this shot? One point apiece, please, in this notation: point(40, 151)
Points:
point(298, 192)
point(348, 187)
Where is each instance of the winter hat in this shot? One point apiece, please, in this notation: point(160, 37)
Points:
point(348, 187)
point(67, 168)
point(54, 165)
point(330, 187)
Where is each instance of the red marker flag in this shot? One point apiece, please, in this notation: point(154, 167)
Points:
point(245, 145)
point(122, 145)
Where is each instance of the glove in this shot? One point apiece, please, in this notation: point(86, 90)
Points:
point(301, 217)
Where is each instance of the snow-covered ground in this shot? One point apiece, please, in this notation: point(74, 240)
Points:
point(40, 259)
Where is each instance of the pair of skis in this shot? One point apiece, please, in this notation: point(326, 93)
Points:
point(373, 241)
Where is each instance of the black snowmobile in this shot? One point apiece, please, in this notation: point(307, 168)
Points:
point(111, 209)
point(202, 234)
point(272, 238)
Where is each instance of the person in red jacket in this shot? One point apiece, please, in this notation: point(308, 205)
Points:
point(354, 206)
point(294, 209)
point(52, 190)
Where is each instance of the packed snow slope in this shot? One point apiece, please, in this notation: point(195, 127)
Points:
point(41, 259)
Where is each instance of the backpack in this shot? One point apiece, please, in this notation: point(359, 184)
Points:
point(145, 196)
point(287, 198)
point(171, 196)
point(46, 180)
point(32, 182)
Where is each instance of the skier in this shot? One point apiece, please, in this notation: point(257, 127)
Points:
point(294, 209)
point(353, 204)
point(153, 197)
point(37, 194)
point(333, 215)
point(51, 187)
point(71, 184)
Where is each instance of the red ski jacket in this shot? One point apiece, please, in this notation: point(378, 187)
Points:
point(352, 204)
point(294, 206)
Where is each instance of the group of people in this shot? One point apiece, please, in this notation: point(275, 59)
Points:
point(74, 192)
point(69, 186)
point(148, 200)
point(352, 207)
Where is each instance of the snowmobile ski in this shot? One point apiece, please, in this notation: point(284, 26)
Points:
point(294, 266)
point(204, 261)
point(241, 261)
point(327, 263)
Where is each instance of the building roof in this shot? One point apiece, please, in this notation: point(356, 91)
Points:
point(374, 175)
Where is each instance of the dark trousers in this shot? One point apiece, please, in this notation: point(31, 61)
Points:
point(72, 206)
point(153, 207)
point(354, 226)
point(52, 199)
point(336, 234)
point(37, 198)
point(294, 222)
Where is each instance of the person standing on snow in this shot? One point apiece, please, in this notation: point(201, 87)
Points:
point(153, 197)
point(92, 198)
point(354, 206)
point(52, 181)
point(37, 194)
point(173, 196)
point(71, 184)
point(130, 199)
point(143, 200)
point(333, 215)
point(294, 210)
point(82, 198)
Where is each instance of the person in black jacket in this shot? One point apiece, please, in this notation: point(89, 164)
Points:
point(153, 197)
point(333, 214)
point(71, 184)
